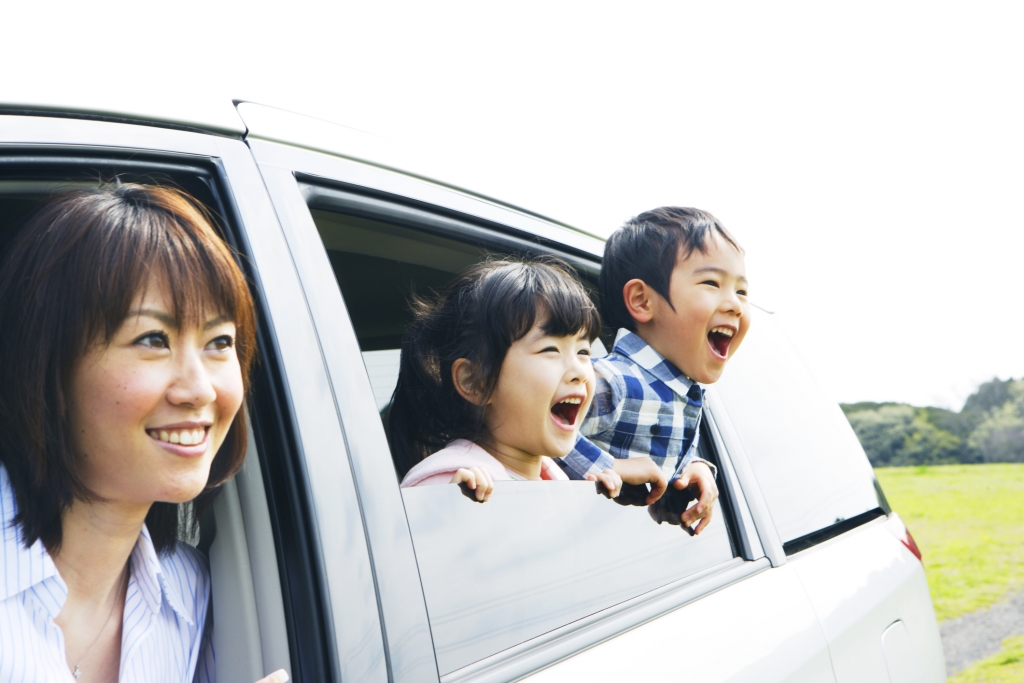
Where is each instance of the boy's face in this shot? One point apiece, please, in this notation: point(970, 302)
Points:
point(711, 314)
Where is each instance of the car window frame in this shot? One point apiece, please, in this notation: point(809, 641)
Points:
point(227, 168)
point(301, 179)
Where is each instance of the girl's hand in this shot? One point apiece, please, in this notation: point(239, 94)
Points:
point(278, 676)
point(609, 480)
point(476, 480)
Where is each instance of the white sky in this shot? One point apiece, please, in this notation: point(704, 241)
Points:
point(870, 155)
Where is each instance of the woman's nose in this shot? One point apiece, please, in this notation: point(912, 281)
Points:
point(192, 385)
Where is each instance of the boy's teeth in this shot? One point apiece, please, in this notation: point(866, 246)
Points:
point(727, 331)
point(185, 437)
point(572, 399)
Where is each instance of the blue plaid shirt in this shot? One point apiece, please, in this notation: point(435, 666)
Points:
point(643, 406)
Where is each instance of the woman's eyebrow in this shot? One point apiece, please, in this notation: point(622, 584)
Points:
point(168, 319)
point(213, 322)
point(163, 317)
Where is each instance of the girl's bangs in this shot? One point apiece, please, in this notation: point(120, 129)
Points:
point(548, 291)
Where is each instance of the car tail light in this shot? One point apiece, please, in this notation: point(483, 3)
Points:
point(900, 531)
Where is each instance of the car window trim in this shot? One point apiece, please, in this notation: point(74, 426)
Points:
point(840, 527)
point(338, 197)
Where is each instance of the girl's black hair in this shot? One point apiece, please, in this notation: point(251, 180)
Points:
point(477, 316)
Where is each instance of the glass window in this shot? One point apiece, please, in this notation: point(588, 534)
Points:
point(538, 555)
point(811, 468)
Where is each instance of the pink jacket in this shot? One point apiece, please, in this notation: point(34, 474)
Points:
point(440, 467)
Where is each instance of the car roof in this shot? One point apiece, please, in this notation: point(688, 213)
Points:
point(278, 125)
point(207, 114)
point(223, 116)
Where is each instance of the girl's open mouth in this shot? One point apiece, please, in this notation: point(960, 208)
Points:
point(719, 339)
point(566, 410)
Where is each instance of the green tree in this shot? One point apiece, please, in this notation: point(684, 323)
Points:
point(999, 437)
point(898, 434)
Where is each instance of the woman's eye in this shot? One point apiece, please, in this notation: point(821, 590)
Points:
point(221, 343)
point(153, 340)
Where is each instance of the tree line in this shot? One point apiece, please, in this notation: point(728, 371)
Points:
point(989, 428)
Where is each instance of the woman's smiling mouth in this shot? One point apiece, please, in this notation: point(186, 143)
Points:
point(176, 437)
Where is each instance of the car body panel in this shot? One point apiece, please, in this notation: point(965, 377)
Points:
point(860, 584)
point(761, 629)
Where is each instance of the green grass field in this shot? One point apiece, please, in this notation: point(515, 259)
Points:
point(968, 521)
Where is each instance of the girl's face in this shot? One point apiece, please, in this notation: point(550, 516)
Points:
point(542, 395)
point(150, 410)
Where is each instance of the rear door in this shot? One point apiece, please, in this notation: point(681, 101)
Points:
point(828, 512)
point(544, 571)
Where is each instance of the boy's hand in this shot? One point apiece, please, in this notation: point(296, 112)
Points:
point(475, 482)
point(639, 472)
point(609, 482)
point(699, 476)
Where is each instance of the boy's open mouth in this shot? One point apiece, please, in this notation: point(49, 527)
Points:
point(719, 338)
point(566, 410)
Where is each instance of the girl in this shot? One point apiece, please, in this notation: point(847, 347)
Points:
point(128, 334)
point(495, 377)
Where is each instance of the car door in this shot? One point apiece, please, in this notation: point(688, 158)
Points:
point(868, 590)
point(289, 526)
point(577, 585)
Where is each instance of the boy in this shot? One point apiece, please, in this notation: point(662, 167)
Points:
point(674, 284)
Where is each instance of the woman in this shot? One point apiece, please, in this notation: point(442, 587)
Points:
point(127, 336)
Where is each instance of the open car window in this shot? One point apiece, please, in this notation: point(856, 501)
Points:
point(538, 555)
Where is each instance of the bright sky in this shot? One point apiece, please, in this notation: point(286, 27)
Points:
point(870, 155)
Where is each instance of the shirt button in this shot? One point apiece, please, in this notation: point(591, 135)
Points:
point(655, 429)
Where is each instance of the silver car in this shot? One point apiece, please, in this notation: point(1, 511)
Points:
point(323, 566)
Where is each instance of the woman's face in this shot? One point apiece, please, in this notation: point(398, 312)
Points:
point(542, 394)
point(150, 410)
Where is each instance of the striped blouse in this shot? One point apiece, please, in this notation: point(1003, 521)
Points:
point(164, 611)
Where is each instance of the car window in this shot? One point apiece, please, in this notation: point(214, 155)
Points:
point(538, 555)
point(810, 467)
point(240, 518)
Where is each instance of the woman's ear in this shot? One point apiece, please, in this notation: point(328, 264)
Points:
point(636, 294)
point(466, 383)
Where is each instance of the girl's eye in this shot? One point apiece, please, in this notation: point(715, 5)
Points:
point(221, 343)
point(153, 340)
point(710, 282)
point(583, 352)
point(548, 349)
point(742, 292)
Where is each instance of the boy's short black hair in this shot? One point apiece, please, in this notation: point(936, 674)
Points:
point(648, 247)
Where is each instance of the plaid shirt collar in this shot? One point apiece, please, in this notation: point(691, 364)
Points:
point(632, 346)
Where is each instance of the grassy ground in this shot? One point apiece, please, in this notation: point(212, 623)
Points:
point(968, 521)
point(1005, 667)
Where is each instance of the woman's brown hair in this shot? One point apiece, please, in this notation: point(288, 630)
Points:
point(68, 282)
